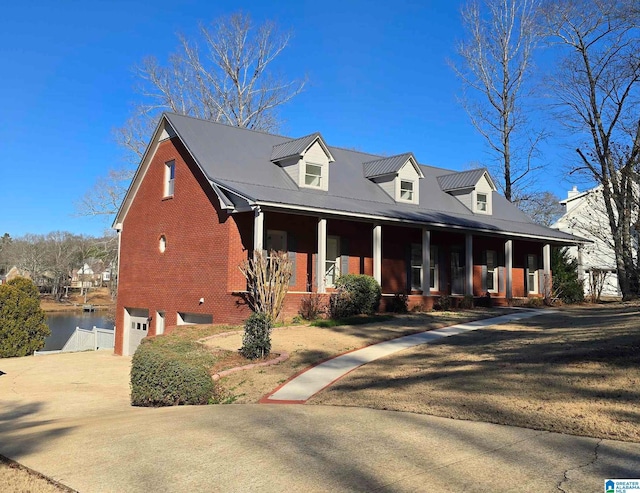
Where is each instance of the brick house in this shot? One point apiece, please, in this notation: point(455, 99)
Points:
point(206, 195)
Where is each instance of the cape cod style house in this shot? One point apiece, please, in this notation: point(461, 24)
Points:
point(206, 195)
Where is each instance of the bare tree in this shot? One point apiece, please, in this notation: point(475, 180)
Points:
point(224, 76)
point(542, 207)
point(597, 87)
point(496, 62)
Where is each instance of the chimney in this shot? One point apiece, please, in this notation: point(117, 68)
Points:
point(573, 193)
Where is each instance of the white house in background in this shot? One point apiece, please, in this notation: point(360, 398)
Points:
point(585, 215)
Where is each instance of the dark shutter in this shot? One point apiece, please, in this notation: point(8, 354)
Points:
point(408, 269)
point(291, 247)
point(443, 267)
point(502, 273)
point(526, 276)
point(484, 272)
point(344, 256)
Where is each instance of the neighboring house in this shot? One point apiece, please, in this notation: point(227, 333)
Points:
point(207, 195)
point(13, 273)
point(585, 215)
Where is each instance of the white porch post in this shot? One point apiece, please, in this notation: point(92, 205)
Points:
point(469, 263)
point(426, 261)
point(258, 230)
point(508, 260)
point(546, 268)
point(377, 253)
point(322, 255)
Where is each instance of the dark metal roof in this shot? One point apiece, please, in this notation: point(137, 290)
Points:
point(239, 160)
point(461, 180)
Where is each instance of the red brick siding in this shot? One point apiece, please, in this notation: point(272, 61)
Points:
point(201, 241)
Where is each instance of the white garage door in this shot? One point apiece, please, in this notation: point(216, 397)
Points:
point(138, 327)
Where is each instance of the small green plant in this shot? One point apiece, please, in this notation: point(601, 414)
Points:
point(256, 341)
point(398, 304)
point(311, 306)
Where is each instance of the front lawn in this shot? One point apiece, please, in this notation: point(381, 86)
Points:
point(575, 372)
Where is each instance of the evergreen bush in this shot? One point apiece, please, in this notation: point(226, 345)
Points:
point(256, 341)
point(23, 327)
point(566, 284)
point(363, 291)
point(165, 376)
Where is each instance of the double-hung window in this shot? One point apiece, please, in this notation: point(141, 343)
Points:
point(313, 175)
point(481, 202)
point(532, 273)
point(406, 190)
point(492, 271)
point(416, 266)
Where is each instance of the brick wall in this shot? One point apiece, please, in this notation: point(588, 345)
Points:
point(203, 243)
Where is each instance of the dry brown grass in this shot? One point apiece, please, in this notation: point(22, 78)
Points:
point(17, 479)
point(308, 345)
point(99, 297)
point(576, 372)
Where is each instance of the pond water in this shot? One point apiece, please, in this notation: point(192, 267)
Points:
point(63, 324)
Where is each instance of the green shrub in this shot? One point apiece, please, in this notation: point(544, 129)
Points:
point(363, 292)
point(23, 327)
point(162, 375)
point(398, 304)
point(566, 284)
point(256, 341)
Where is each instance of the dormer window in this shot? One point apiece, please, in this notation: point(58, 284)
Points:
point(313, 175)
point(481, 202)
point(406, 190)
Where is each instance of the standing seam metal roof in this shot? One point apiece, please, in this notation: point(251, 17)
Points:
point(463, 179)
point(293, 147)
point(386, 166)
point(239, 159)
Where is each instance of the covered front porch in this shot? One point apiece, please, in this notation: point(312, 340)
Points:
point(423, 262)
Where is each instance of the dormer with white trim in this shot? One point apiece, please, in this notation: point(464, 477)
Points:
point(398, 176)
point(306, 161)
point(474, 188)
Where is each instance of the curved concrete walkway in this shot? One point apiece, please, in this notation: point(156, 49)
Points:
point(305, 385)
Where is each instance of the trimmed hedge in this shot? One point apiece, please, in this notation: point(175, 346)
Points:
point(357, 294)
point(165, 376)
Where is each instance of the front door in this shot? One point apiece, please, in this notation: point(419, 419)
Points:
point(332, 266)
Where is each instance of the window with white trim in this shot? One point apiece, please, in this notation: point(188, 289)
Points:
point(532, 273)
point(416, 266)
point(313, 175)
point(482, 201)
point(492, 271)
point(433, 268)
point(169, 178)
point(406, 190)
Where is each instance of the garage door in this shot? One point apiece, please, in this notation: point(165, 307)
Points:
point(138, 327)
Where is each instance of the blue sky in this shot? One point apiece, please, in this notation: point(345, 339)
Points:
point(378, 82)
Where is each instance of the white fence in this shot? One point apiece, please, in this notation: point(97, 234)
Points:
point(85, 340)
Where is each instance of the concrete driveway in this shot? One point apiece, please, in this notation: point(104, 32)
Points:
point(68, 417)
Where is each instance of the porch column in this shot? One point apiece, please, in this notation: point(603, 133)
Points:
point(322, 255)
point(258, 229)
point(580, 264)
point(546, 269)
point(426, 261)
point(508, 260)
point(468, 251)
point(377, 253)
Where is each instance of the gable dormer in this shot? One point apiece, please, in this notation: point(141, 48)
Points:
point(306, 161)
point(474, 188)
point(398, 176)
